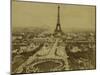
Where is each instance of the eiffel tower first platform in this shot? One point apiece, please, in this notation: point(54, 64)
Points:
point(58, 31)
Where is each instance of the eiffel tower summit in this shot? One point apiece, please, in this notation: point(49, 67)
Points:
point(58, 31)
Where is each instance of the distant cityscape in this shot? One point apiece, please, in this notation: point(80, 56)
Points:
point(59, 51)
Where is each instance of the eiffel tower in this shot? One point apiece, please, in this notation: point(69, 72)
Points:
point(58, 30)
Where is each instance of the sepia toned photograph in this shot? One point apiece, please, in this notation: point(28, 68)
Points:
point(52, 37)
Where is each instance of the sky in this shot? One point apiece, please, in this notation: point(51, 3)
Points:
point(44, 15)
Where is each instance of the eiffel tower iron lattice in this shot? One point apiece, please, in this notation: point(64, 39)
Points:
point(58, 29)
